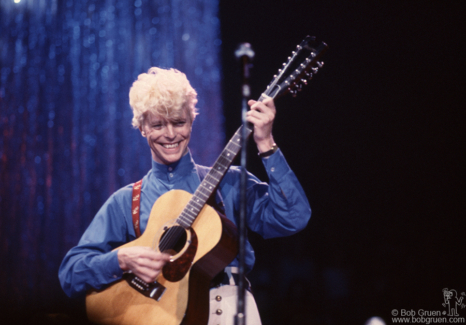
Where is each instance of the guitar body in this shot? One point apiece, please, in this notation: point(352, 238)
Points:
point(210, 246)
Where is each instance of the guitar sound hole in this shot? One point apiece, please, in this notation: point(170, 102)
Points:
point(173, 240)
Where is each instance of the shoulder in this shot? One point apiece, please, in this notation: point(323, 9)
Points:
point(124, 191)
point(122, 196)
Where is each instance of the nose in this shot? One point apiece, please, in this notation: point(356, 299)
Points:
point(170, 131)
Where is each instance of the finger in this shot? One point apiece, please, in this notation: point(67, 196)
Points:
point(268, 101)
point(147, 274)
point(265, 118)
point(257, 121)
point(155, 264)
point(149, 253)
point(258, 106)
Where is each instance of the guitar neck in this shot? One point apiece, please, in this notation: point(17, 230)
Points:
point(212, 179)
point(289, 79)
point(215, 175)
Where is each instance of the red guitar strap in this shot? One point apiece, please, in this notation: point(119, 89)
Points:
point(135, 207)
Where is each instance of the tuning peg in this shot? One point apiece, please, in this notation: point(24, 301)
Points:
point(320, 64)
point(289, 58)
point(315, 70)
point(304, 81)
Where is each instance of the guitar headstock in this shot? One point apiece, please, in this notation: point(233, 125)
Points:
point(301, 66)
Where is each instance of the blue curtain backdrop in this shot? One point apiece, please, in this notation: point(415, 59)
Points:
point(66, 139)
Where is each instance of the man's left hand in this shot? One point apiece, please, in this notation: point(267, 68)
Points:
point(261, 115)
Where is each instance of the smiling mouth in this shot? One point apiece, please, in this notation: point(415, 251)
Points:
point(170, 145)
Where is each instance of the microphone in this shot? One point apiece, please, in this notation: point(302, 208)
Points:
point(245, 53)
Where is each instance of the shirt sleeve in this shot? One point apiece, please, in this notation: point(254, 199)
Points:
point(279, 208)
point(93, 263)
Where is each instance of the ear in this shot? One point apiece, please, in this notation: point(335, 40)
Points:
point(142, 131)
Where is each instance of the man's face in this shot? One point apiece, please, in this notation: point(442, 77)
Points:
point(167, 139)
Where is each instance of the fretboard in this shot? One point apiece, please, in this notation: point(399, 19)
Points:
point(213, 178)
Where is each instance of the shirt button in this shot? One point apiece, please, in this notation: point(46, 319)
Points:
point(272, 169)
point(218, 298)
point(171, 175)
point(170, 169)
point(219, 312)
point(114, 276)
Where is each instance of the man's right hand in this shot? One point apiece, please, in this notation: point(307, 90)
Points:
point(142, 261)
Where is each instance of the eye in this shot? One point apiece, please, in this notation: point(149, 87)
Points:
point(157, 126)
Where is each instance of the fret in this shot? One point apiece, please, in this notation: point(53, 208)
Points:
point(211, 180)
point(236, 142)
point(223, 161)
point(198, 200)
point(219, 169)
point(184, 219)
point(191, 215)
point(197, 205)
point(210, 188)
point(231, 152)
point(226, 159)
point(192, 205)
point(187, 217)
point(218, 172)
point(203, 194)
point(183, 223)
point(192, 209)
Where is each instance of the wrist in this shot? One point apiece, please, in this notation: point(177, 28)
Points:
point(271, 151)
point(265, 144)
point(121, 260)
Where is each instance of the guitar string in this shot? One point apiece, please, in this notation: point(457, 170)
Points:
point(225, 159)
point(172, 236)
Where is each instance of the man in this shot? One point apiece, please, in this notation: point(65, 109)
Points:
point(163, 104)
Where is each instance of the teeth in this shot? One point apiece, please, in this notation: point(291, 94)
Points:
point(170, 146)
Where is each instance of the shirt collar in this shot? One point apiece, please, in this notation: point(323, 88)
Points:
point(181, 168)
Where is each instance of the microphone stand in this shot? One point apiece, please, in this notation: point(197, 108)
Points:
point(245, 54)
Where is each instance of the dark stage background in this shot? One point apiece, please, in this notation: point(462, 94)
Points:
point(377, 140)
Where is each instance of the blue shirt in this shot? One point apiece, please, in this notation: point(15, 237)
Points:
point(279, 208)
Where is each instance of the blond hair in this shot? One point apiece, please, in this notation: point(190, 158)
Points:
point(166, 92)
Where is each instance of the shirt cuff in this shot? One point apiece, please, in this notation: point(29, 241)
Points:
point(276, 165)
point(113, 271)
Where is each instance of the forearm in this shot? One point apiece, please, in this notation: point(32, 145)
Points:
point(82, 270)
point(281, 208)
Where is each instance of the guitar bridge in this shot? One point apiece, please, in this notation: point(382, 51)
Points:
point(152, 290)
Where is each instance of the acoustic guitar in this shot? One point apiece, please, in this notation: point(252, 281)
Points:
point(201, 242)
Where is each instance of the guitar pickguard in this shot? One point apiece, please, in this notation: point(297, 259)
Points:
point(175, 270)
